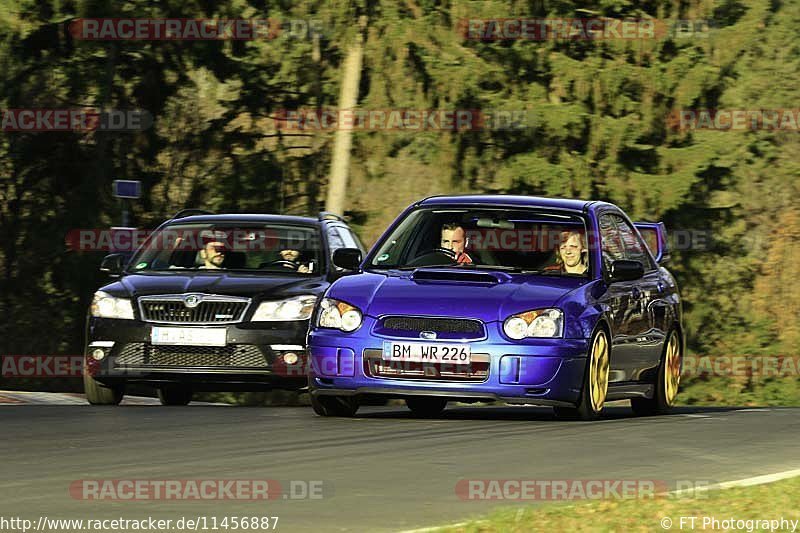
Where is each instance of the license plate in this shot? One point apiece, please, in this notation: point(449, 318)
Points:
point(189, 336)
point(423, 352)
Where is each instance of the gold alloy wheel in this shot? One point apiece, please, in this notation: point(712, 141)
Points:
point(598, 372)
point(672, 371)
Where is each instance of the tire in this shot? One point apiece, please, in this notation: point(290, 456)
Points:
point(426, 407)
point(595, 382)
point(175, 395)
point(344, 406)
point(667, 381)
point(98, 394)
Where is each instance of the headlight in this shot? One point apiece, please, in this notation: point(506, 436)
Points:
point(335, 314)
point(106, 306)
point(540, 323)
point(294, 308)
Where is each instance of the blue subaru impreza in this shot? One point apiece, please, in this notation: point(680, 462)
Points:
point(502, 298)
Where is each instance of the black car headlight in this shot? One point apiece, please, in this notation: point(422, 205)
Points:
point(335, 314)
point(539, 323)
point(106, 306)
point(294, 308)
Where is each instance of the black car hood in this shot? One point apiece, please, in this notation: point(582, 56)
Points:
point(228, 283)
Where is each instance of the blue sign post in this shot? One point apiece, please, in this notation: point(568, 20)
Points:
point(126, 189)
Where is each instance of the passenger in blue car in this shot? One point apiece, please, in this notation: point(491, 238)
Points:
point(454, 238)
point(572, 255)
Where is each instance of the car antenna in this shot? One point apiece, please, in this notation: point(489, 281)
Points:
point(189, 212)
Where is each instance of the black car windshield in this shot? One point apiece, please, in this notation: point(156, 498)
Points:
point(516, 240)
point(289, 249)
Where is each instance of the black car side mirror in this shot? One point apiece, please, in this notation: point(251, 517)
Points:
point(112, 264)
point(347, 258)
point(625, 270)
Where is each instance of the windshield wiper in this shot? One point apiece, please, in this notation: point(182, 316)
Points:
point(467, 266)
point(424, 266)
point(554, 273)
point(504, 268)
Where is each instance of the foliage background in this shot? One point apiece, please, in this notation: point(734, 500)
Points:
point(598, 130)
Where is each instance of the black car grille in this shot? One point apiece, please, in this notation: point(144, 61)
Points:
point(206, 312)
point(141, 354)
point(439, 325)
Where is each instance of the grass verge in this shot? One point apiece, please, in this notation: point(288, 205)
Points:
point(726, 391)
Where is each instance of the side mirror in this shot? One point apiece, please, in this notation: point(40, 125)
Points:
point(347, 258)
point(655, 236)
point(624, 270)
point(112, 264)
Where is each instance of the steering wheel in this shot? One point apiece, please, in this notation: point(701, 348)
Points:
point(283, 263)
point(434, 256)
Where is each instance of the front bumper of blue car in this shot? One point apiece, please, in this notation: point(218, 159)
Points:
point(532, 371)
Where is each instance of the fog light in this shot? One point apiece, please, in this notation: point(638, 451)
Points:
point(290, 358)
point(98, 354)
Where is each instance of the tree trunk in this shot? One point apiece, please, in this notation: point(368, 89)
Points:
point(343, 139)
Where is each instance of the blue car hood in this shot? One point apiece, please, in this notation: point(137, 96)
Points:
point(394, 293)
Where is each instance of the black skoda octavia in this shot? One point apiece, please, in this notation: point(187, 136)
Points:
point(211, 303)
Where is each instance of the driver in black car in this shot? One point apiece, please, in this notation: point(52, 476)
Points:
point(291, 258)
point(454, 238)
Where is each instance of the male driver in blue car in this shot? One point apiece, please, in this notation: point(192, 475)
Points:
point(454, 238)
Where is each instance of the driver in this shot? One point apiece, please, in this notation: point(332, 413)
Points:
point(291, 256)
point(454, 238)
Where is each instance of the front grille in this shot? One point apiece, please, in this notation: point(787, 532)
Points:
point(439, 325)
point(141, 354)
point(476, 371)
point(212, 309)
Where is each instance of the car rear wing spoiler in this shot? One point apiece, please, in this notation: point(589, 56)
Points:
point(655, 235)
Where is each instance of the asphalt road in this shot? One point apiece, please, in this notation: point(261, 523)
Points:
point(382, 470)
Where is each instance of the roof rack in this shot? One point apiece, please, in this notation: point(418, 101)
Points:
point(326, 215)
point(189, 212)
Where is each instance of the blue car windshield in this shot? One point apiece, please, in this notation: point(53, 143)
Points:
point(522, 240)
point(279, 248)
